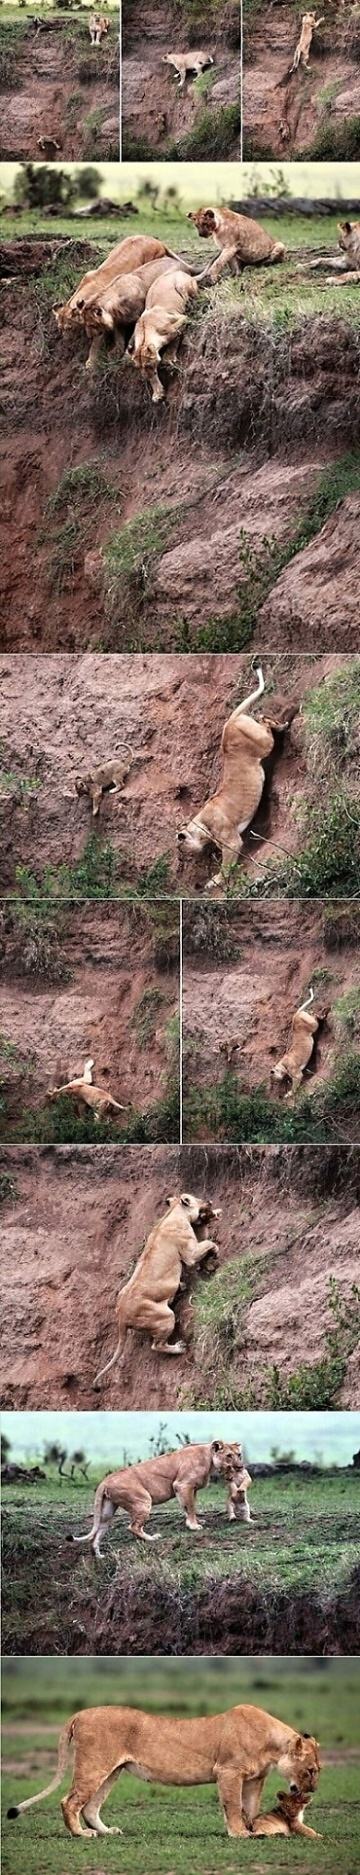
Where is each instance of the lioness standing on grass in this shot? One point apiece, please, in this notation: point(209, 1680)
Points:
point(234, 1750)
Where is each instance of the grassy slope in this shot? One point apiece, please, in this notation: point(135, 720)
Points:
point(306, 1531)
point(179, 1830)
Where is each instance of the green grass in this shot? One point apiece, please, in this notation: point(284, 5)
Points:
point(221, 1333)
point(227, 1111)
point(327, 864)
point(58, 1123)
point(211, 138)
point(69, 518)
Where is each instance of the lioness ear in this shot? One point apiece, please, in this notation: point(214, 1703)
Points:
point(186, 1201)
point(299, 1745)
point(216, 1445)
point(172, 1199)
point(346, 225)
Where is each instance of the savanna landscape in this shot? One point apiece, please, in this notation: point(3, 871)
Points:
point(309, 114)
point(100, 982)
point(227, 516)
point(247, 972)
point(165, 716)
point(164, 1828)
point(276, 1327)
point(60, 95)
point(203, 118)
point(288, 1581)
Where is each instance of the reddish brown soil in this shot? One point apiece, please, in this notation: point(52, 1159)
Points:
point(244, 981)
point(156, 116)
point(233, 455)
point(283, 114)
point(53, 98)
point(105, 967)
point(60, 713)
point(77, 1222)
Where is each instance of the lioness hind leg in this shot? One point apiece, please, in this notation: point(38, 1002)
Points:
point(162, 1322)
point(91, 1810)
point(140, 1511)
point(72, 1807)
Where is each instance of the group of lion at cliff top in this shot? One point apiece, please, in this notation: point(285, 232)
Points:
point(142, 293)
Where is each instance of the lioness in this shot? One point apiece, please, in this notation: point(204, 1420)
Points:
point(242, 241)
point(119, 305)
point(175, 1474)
point(161, 325)
point(292, 1065)
point(186, 63)
point(223, 819)
point(129, 254)
point(104, 780)
point(99, 26)
point(233, 1749)
point(287, 1817)
point(144, 1302)
point(82, 1089)
point(308, 27)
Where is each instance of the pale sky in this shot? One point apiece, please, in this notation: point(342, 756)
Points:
point(209, 182)
point(105, 1436)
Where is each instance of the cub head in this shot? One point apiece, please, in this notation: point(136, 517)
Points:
point(349, 237)
point(82, 784)
point(301, 1764)
point(204, 220)
point(226, 1460)
point(290, 1803)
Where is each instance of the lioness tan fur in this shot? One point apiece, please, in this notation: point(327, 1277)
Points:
point(145, 1300)
point(175, 1474)
point(234, 1750)
point(224, 818)
point(161, 324)
point(119, 305)
point(308, 27)
point(186, 63)
point(349, 240)
point(287, 1817)
point(99, 26)
point(82, 1089)
point(242, 241)
point(129, 254)
point(103, 780)
point(292, 1065)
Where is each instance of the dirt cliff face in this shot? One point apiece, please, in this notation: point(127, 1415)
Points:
point(312, 113)
point(56, 85)
point(203, 119)
point(101, 983)
point(166, 716)
point(74, 1221)
point(246, 972)
point(150, 528)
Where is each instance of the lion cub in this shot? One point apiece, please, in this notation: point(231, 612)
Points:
point(286, 1819)
point(104, 780)
point(291, 1067)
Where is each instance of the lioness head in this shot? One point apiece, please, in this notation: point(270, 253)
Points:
point(301, 1764)
point(204, 220)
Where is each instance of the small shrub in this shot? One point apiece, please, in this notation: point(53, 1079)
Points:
point(146, 1015)
point(317, 1388)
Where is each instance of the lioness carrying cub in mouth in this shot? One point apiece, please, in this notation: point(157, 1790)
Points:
point(135, 1488)
point(234, 1750)
point(145, 1301)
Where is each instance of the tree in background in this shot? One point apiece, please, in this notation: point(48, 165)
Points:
point(43, 187)
point(87, 182)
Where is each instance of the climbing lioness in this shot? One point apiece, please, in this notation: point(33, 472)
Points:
point(161, 324)
point(309, 26)
point(225, 816)
point(234, 1750)
point(174, 1474)
point(82, 1090)
point(145, 1300)
point(292, 1066)
point(187, 64)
